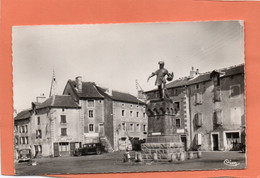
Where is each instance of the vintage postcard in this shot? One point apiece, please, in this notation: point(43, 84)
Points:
point(134, 97)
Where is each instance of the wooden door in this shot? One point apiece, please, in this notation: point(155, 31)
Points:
point(56, 149)
point(72, 147)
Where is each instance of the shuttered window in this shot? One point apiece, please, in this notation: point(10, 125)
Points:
point(217, 94)
point(198, 98)
point(178, 123)
point(198, 119)
point(218, 117)
point(63, 131)
point(63, 119)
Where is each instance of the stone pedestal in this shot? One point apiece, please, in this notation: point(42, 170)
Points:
point(163, 138)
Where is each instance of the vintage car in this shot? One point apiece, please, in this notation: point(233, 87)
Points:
point(89, 148)
point(24, 155)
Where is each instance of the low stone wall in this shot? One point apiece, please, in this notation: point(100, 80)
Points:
point(162, 150)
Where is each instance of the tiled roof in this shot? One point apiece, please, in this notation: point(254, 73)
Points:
point(89, 90)
point(59, 101)
point(125, 97)
point(23, 115)
point(120, 96)
point(234, 70)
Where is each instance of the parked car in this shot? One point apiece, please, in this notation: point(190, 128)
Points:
point(24, 155)
point(89, 148)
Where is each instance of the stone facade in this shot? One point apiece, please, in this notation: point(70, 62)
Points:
point(130, 122)
point(231, 113)
point(58, 126)
point(211, 108)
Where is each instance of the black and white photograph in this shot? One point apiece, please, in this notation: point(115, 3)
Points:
point(129, 97)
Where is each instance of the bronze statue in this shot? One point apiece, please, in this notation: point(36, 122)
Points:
point(160, 79)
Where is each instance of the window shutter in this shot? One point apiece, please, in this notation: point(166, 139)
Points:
point(218, 117)
point(199, 119)
point(199, 139)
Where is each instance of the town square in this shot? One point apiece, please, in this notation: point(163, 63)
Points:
point(129, 115)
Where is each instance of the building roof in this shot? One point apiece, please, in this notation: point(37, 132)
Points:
point(89, 90)
point(202, 77)
point(25, 114)
point(59, 101)
point(120, 96)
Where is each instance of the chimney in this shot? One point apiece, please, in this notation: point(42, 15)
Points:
point(108, 91)
point(192, 73)
point(40, 98)
point(79, 84)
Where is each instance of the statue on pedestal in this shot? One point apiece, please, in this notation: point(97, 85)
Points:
point(160, 79)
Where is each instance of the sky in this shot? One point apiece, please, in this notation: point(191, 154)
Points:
point(116, 55)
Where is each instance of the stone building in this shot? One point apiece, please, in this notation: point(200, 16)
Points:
point(56, 127)
point(128, 120)
point(106, 112)
point(50, 128)
point(22, 131)
point(210, 107)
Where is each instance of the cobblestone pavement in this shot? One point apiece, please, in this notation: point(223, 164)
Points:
point(113, 162)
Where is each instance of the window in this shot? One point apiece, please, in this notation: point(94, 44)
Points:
point(63, 131)
point(138, 127)
point(198, 119)
point(63, 109)
point(144, 115)
point(38, 134)
point(63, 119)
point(123, 105)
point(16, 140)
point(26, 140)
point(234, 90)
point(131, 105)
point(38, 148)
point(90, 103)
point(137, 114)
point(217, 94)
point(63, 146)
point(198, 86)
point(131, 129)
point(123, 126)
point(218, 117)
point(26, 129)
point(131, 113)
point(177, 105)
point(21, 140)
point(123, 113)
point(198, 98)
point(38, 120)
point(144, 128)
point(23, 130)
point(90, 113)
point(91, 127)
point(16, 128)
point(178, 123)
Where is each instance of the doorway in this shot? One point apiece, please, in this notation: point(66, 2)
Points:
point(184, 141)
point(215, 142)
